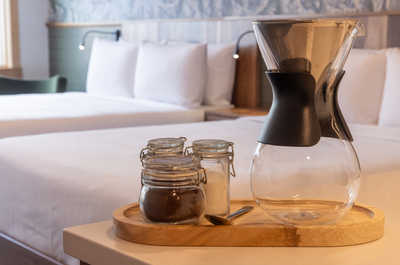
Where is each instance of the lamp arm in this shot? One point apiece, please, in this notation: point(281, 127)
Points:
point(117, 34)
point(236, 53)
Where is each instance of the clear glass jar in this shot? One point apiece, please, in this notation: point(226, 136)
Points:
point(163, 147)
point(171, 190)
point(217, 160)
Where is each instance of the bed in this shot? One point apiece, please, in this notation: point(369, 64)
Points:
point(81, 177)
point(125, 89)
point(53, 181)
point(76, 111)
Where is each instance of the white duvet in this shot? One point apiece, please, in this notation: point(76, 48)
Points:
point(53, 181)
point(28, 114)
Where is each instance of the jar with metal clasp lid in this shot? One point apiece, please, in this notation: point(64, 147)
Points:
point(217, 159)
point(163, 147)
point(171, 190)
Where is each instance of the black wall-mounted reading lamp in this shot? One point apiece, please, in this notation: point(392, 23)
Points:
point(236, 53)
point(117, 34)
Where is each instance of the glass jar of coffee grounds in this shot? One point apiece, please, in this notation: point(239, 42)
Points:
point(171, 192)
point(217, 159)
point(163, 147)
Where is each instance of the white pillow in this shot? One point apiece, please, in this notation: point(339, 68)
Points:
point(220, 74)
point(112, 68)
point(390, 110)
point(360, 91)
point(173, 74)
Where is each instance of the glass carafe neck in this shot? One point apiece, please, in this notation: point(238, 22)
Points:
point(301, 113)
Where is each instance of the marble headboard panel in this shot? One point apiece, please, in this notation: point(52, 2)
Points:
point(251, 88)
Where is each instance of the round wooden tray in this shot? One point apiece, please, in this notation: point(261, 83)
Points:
point(362, 224)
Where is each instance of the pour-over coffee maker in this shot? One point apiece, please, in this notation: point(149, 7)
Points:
point(305, 170)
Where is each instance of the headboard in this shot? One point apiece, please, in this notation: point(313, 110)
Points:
point(247, 87)
point(251, 88)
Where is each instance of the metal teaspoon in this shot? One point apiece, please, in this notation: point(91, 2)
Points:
point(219, 220)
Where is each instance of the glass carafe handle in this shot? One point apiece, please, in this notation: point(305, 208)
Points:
point(330, 116)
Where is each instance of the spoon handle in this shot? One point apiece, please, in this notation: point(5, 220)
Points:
point(239, 212)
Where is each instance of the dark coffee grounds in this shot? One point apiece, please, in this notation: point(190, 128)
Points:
point(172, 205)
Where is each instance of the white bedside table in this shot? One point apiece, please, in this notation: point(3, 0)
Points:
point(96, 244)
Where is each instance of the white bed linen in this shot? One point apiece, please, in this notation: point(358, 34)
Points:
point(75, 111)
point(53, 181)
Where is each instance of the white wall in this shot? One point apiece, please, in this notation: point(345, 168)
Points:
point(33, 15)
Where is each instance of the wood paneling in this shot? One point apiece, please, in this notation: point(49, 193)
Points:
point(14, 35)
point(246, 93)
point(10, 41)
point(15, 72)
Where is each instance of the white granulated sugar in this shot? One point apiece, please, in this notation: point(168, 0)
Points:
point(216, 192)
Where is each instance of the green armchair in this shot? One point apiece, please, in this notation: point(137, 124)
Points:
point(11, 86)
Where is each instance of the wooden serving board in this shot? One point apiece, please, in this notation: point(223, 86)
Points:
point(360, 225)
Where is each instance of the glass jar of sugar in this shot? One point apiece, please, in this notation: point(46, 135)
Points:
point(171, 190)
point(217, 159)
point(163, 147)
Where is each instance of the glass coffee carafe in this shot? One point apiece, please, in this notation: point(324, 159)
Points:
point(305, 170)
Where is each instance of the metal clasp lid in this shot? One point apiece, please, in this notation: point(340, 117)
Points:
point(231, 158)
point(163, 147)
point(213, 148)
point(180, 170)
point(143, 154)
point(202, 178)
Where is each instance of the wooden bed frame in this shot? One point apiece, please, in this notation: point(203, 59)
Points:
point(250, 85)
